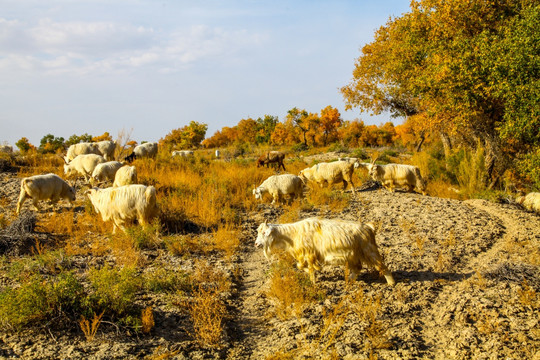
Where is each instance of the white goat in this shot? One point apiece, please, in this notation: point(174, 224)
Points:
point(182, 153)
point(314, 242)
point(126, 175)
point(125, 204)
point(531, 201)
point(149, 149)
point(106, 171)
point(83, 164)
point(44, 187)
point(391, 175)
point(106, 148)
point(81, 149)
point(278, 185)
point(330, 173)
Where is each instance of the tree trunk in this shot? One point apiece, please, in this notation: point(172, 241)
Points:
point(492, 158)
point(447, 145)
point(422, 139)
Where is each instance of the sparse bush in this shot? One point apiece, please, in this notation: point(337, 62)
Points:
point(291, 290)
point(145, 237)
point(114, 290)
point(161, 280)
point(360, 153)
point(337, 147)
point(299, 147)
point(335, 200)
point(39, 299)
point(207, 313)
point(471, 172)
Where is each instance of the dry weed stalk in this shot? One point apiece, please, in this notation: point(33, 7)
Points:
point(444, 261)
point(478, 280)
point(207, 313)
point(123, 248)
point(206, 275)
point(147, 318)
point(38, 249)
point(368, 310)
point(90, 329)
point(158, 354)
point(487, 322)
point(333, 322)
point(419, 242)
point(290, 289)
point(528, 297)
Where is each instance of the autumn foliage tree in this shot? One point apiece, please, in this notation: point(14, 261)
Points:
point(471, 67)
point(330, 120)
point(187, 137)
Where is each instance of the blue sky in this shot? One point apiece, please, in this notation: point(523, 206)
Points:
point(147, 67)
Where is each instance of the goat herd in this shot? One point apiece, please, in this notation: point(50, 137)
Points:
point(312, 242)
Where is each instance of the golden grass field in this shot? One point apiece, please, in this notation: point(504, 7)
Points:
point(192, 285)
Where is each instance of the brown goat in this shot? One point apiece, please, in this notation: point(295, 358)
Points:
point(272, 157)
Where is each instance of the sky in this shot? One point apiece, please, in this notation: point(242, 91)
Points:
point(143, 68)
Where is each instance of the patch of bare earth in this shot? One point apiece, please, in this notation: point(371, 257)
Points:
point(467, 288)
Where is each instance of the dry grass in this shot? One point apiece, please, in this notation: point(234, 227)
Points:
point(147, 320)
point(207, 313)
point(206, 192)
point(290, 289)
point(124, 250)
point(42, 164)
point(227, 239)
point(57, 223)
point(334, 200)
point(443, 189)
point(90, 328)
point(528, 297)
point(205, 274)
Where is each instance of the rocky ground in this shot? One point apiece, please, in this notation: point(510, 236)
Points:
point(467, 288)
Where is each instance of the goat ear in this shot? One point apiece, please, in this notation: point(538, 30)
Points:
point(267, 231)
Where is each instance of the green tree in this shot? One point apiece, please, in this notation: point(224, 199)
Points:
point(51, 144)
point(300, 120)
point(75, 139)
point(24, 145)
point(265, 127)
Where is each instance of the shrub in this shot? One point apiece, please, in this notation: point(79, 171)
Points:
point(227, 239)
point(291, 289)
point(207, 312)
point(145, 237)
point(24, 305)
point(529, 168)
point(114, 290)
point(299, 147)
point(471, 172)
point(39, 299)
point(161, 280)
point(337, 147)
point(360, 153)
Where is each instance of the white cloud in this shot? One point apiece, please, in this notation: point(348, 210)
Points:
point(86, 47)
